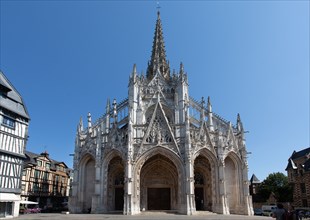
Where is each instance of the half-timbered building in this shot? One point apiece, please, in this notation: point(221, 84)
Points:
point(14, 121)
point(45, 181)
point(160, 149)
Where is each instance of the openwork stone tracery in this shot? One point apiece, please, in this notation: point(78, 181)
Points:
point(160, 149)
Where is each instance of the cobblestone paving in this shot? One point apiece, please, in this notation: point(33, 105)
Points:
point(143, 216)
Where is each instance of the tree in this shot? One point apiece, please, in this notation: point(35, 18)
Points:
point(279, 185)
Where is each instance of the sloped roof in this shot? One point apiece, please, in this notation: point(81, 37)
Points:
point(13, 100)
point(301, 153)
point(254, 179)
point(291, 164)
point(305, 153)
point(31, 159)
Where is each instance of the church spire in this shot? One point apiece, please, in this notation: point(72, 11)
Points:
point(158, 57)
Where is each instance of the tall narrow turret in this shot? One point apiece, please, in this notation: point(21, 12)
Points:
point(80, 126)
point(134, 70)
point(89, 125)
point(210, 115)
point(114, 111)
point(202, 112)
point(239, 124)
point(107, 108)
point(158, 57)
point(107, 117)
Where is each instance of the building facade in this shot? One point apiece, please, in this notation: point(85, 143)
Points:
point(160, 149)
point(45, 181)
point(254, 184)
point(298, 172)
point(14, 120)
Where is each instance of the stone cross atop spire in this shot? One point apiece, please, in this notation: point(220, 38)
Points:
point(158, 57)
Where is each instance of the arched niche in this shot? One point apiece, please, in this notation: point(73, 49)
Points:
point(203, 184)
point(206, 165)
point(87, 188)
point(145, 166)
point(232, 175)
point(115, 184)
point(159, 184)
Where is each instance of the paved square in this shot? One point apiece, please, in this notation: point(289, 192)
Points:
point(144, 216)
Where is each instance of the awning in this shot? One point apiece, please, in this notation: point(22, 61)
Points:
point(9, 197)
point(27, 202)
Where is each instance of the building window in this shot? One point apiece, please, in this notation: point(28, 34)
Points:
point(9, 122)
point(62, 180)
point(62, 191)
point(48, 166)
point(45, 187)
point(303, 188)
point(45, 176)
point(304, 203)
point(36, 187)
point(5, 209)
point(39, 162)
point(36, 174)
point(54, 190)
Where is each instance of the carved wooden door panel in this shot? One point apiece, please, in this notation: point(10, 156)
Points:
point(119, 198)
point(199, 198)
point(158, 199)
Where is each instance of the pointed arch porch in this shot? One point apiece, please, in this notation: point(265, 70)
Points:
point(149, 181)
point(206, 180)
point(87, 185)
point(233, 182)
point(112, 179)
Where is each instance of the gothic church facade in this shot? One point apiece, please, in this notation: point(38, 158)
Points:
point(160, 149)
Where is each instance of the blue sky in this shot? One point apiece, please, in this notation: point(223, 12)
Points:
point(251, 57)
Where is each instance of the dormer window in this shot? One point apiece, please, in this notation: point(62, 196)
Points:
point(4, 90)
point(39, 162)
point(59, 168)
